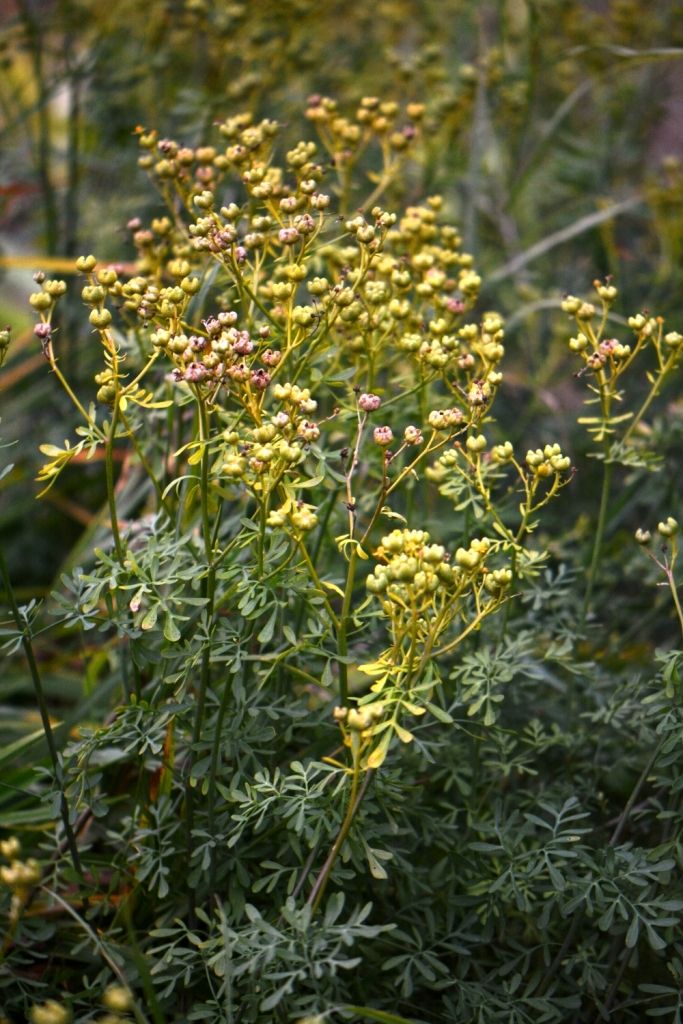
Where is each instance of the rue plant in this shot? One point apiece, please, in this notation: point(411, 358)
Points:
point(299, 792)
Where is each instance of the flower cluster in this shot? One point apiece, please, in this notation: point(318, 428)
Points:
point(548, 461)
point(414, 569)
point(606, 359)
point(19, 875)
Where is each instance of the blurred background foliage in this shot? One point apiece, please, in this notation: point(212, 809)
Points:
point(552, 128)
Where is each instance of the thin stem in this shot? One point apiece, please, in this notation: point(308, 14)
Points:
point(318, 583)
point(100, 946)
point(355, 798)
point(677, 602)
point(342, 633)
point(111, 491)
point(147, 466)
point(654, 391)
point(599, 536)
point(63, 381)
point(261, 542)
point(635, 792)
point(208, 589)
point(24, 629)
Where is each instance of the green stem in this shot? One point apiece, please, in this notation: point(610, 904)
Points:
point(261, 543)
point(24, 629)
point(208, 589)
point(147, 466)
point(599, 536)
point(677, 602)
point(318, 583)
point(111, 492)
point(318, 890)
point(65, 384)
point(654, 391)
point(342, 634)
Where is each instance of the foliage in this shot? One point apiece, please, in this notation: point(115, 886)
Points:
point(350, 705)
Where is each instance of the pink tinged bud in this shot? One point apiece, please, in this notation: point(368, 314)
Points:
point(204, 175)
point(240, 371)
point(455, 306)
point(271, 357)
point(308, 430)
point(412, 435)
point(240, 254)
point(212, 325)
point(43, 331)
point(288, 236)
point(305, 223)
point(195, 373)
point(369, 402)
point(383, 436)
point(243, 344)
point(260, 379)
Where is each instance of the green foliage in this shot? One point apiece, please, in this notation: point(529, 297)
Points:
point(357, 701)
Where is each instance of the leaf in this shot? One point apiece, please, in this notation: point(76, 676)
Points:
point(376, 869)
point(150, 619)
point(403, 734)
point(333, 586)
point(266, 634)
point(373, 669)
point(439, 713)
point(633, 932)
point(655, 940)
point(52, 451)
point(390, 514)
point(171, 631)
point(376, 758)
point(312, 482)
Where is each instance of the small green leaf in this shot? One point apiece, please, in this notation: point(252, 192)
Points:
point(150, 619)
point(171, 631)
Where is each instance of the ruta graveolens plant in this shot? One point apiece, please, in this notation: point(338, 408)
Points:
point(306, 594)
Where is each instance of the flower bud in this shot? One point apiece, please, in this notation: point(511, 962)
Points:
point(668, 528)
point(100, 318)
point(86, 264)
point(10, 848)
point(117, 998)
point(50, 1012)
point(383, 436)
point(40, 301)
point(502, 452)
point(369, 402)
point(571, 304)
point(476, 444)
